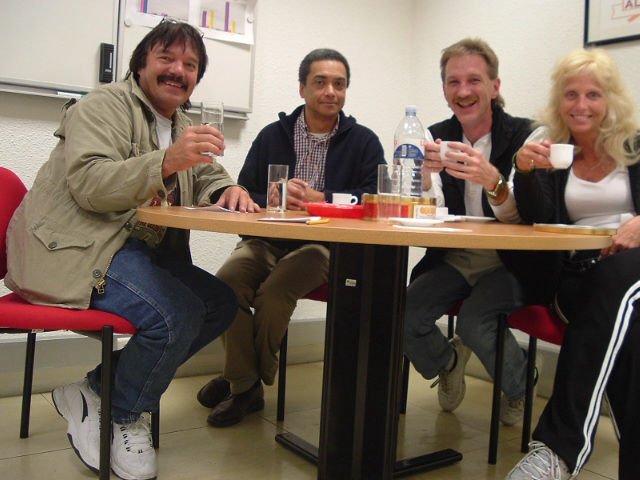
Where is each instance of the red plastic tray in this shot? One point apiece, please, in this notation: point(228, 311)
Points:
point(325, 209)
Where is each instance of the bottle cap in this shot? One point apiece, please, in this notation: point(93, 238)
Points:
point(410, 110)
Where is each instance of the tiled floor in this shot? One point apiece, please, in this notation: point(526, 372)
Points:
point(189, 449)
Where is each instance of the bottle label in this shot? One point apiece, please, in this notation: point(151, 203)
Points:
point(408, 150)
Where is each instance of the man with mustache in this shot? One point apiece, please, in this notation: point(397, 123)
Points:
point(75, 242)
point(474, 179)
point(327, 151)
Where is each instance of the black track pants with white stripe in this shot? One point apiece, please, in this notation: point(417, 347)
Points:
point(601, 350)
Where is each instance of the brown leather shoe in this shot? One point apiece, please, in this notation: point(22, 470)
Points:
point(214, 392)
point(235, 407)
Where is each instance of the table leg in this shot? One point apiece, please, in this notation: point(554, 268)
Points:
point(362, 369)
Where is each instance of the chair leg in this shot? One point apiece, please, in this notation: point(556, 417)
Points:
point(451, 326)
point(282, 377)
point(105, 402)
point(528, 397)
point(497, 389)
point(406, 365)
point(155, 428)
point(27, 384)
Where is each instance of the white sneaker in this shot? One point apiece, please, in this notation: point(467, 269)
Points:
point(132, 453)
point(512, 411)
point(80, 407)
point(539, 464)
point(451, 385)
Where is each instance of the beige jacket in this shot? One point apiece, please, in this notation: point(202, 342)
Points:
point(82, 206)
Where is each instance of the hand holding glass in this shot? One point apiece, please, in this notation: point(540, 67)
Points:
point(212, 114)
point(277, 188)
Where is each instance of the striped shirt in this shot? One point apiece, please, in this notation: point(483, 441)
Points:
point(311, 152)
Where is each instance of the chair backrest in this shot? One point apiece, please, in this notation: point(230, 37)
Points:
point(540, 322)
point(12, 191)
point(320, 294)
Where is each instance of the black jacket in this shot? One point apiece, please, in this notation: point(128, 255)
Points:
point(352, 159)
point(351, 166)
point(507, 136)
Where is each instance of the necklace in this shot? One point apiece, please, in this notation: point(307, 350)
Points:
point(602, 163)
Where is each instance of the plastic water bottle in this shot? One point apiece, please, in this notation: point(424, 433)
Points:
point(408, 151)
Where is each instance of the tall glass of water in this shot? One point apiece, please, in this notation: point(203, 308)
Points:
point(277, 188)
point(212, 113)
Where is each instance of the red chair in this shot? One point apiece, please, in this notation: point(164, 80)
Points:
point(532, 320)
point(19, 316)
point(539, 322)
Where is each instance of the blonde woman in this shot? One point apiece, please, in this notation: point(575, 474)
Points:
point(597, 290)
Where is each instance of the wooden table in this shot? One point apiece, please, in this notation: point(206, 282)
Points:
point(363, 348)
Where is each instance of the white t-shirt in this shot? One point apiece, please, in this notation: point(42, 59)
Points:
point(163, 129)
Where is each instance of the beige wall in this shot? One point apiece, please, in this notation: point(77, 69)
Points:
point(393, 48)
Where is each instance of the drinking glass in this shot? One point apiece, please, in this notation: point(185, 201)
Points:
point(389, 188)
point(277, 188)
point(212, 113)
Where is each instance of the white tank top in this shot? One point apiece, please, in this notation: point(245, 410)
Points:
point(607, 203)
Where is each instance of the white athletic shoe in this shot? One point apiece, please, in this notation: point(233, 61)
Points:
point(539, 464)
point(80, 407)
point(451, 385)
point(512, 411)
point(132, 453)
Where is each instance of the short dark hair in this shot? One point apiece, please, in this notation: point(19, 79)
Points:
point(168, 32)
point(318, 55)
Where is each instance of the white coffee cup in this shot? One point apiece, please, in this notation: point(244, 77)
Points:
point(442, 212)
point(561, 155)
point(344, 199)
point(444, 148)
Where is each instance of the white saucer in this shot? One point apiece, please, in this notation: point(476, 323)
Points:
point(416, 222)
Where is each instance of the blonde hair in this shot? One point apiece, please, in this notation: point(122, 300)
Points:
point(473, 46)
point(619, 129)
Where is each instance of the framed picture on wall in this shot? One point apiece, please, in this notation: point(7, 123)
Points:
point(611, 21)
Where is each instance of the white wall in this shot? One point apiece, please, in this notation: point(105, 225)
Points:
point(528, 37)
point(286, 31)
point(393, 47)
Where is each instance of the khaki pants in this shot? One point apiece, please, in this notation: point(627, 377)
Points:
point(270, 281)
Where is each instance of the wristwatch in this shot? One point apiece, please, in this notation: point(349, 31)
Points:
point(498, 191)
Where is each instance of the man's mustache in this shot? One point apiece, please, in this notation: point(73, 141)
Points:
point(171, 78)
point(465, 100)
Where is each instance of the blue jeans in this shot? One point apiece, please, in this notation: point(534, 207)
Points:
point(177, 308)
point(434, 293)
